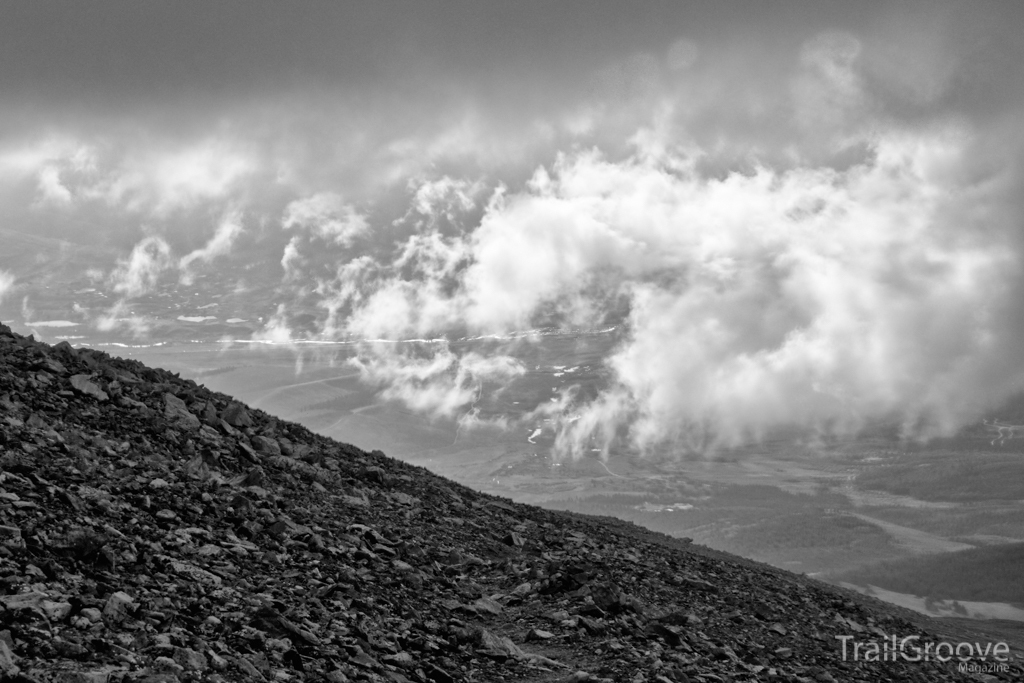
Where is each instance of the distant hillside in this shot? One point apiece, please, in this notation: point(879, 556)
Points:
point(959, 477)
point(990, 574)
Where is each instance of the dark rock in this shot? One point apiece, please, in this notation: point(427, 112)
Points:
point(178, 415)
point(237, 416)
point(83, 384)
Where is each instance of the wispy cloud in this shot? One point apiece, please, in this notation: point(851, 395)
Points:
point(7, 281)
point(165, 178)
point(138, 274)
point(430, 378)
point(327, 216)
point(220, 244)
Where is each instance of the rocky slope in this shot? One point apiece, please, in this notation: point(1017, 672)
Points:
point(152, 530)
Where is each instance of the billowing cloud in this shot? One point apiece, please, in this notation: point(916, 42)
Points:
point(164, 179)
point(291, 259)
point(326, 215)
point(785, 226)
point(157, 177)
point(812, 296)
point(430, 378)
point(138, 274)
point(134, 276)
point(51, 188)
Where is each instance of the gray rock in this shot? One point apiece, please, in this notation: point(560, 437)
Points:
point(498, 647)
point(265, 445)
point(118, 607)
point(178, 414)
point(7, 663)
point(190, 660)
point(196, 573)
point(237, 416)
point(83, 384)
point(488, 606)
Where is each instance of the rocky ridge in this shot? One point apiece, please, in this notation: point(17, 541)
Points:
point(153, 530)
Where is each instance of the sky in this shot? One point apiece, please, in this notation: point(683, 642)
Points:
point(798, 213)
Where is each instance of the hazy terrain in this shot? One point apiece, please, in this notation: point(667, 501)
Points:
point(873, 511)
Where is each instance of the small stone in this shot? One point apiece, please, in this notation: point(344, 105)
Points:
point(100, 675)
point(698, 585)
point(210, 550)
point(118, 607)
point(196, 573)
point(166, 515)
point(513, 539)
point(402, 659)
point(56, 611)
point(7, 665)
point(189, 659)
point(437, 674)
point(558, 616)
point(168, 665)
point(488, 606)
point(217, 663)
point(249, 669)
point(265, 445)
point(539, 635)
point(498, 647)
point(523, 589)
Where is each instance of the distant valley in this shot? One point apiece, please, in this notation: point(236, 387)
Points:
point(871, 511)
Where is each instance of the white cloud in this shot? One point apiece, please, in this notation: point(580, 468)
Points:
point(326, 215)
point(812, 297)
point(51, 188)
point(134, 276)
point(175, 177)
point(119, 316)
point(138, 274)
point(7, 281)
point(276, 330)
point(445, 196)
point(291, 259)
point(219, 245)
point(429, 377)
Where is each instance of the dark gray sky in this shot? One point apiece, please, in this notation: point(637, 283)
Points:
point(110, 56)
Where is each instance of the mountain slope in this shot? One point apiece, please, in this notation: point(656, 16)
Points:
point(152, 530)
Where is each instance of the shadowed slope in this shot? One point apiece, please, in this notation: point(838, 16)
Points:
point(153, 530)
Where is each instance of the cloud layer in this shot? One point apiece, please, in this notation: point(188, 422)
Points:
point(814, 225)
point(808, 297)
